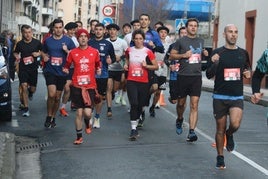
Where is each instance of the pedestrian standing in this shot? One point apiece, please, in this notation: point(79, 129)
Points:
point(228, 64)
point(86, 63)
point(188, 50)
point(137, 80)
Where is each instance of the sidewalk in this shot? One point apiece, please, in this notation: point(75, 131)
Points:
point(7, 155)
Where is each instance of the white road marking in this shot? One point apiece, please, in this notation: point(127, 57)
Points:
point(237, 154)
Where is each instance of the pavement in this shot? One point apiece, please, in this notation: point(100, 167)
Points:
point(8, 145)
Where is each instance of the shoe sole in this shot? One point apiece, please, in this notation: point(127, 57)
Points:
point(220, 168)
point(192, 140)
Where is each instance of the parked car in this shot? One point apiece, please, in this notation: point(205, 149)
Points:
point(5, 85)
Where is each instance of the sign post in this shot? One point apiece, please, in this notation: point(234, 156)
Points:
point(180, 23)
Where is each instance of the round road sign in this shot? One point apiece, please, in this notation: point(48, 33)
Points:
point(108, 11)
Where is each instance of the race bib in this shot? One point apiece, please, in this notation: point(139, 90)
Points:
point(195, 58)
point(232, 74)
point(177, 66)
point(56, 61)
point(28, 60)
point(83, 80)
point(137, 72)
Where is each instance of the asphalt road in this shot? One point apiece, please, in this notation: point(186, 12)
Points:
point(158, 153)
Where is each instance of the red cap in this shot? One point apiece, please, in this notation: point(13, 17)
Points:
point(80, 31)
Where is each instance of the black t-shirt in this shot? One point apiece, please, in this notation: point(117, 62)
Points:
point(229, 71)
point(27, 61)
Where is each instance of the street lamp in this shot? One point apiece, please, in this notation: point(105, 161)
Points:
point(133, 9)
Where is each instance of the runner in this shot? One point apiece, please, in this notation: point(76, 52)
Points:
point(86, 63)
point(26, 52)
point(138, 81)
point(228, 64)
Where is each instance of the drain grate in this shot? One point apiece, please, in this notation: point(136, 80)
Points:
point(32, 147)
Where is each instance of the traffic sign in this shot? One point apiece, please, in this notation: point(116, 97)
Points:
point(108, 11)
point(180, 23)
point(107, 20)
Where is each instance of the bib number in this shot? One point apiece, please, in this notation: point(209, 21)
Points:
point(137, 72)
point(28, 60)
point(195, 58)
point(83, 80)
point(232, 74)
point(56, 61)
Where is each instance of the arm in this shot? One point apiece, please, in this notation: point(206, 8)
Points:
point(212, 66)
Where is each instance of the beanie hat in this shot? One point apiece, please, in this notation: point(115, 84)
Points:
point(80, 31)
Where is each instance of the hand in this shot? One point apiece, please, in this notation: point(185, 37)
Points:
point(108, 60)
point(65, 70)
point(64, 47)
point(247, 74)
point(36, 54)
point(188, 54)
point(144, 64)
point(45, 58)
point(126, 67)
point(151, 44)
point(205, 52)
point(215, 58)
point(255, 98)
point(98, 71)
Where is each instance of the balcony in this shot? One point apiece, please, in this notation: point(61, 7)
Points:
point(27, 2)
point(60, 13)
point(47, 11)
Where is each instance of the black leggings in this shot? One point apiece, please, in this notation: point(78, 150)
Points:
point(138, 94)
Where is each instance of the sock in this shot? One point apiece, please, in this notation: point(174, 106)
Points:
point(63, 105)
point(134, 124)
point(109, 109)
point(79, 133)
point(86, 122)
point(191, 130)
point(97, 115)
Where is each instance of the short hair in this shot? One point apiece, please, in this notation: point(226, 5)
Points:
point(143, 14)
point(134, 22)
point(25, 26)
point(126, 25)
point(139, 31)
point(99, 25)
point(80, 22)
point(191, 20)
point(160, 23)
point(183, 27)
point(93, 20)
point(57, 21)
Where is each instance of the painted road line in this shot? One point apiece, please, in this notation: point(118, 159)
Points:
point(237, 154)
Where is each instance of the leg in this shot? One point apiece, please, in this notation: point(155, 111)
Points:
point(109, 96)
point(194, 100)
point(78, 126)
point(220, 132)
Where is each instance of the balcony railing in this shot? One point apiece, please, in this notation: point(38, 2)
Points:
point(47, 11)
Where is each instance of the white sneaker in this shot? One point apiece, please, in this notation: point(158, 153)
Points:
point(123, 101)
point(26, 114)
point(96, 123)
point(118, 100)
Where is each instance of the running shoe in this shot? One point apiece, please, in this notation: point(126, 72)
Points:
point(21, 106)
point(53, 123)
point(123, 101)
point(88, 130)
point(47, 123)
point(96, 123)
point(109, 114)
point(63, 112)
point(133, 135)
point(26, 113)
point(140, 123)
point(179, 127)
point(78, 141)
point(230, 143)
point(152, 112)
point(118, 100)
point(220, 163)
point(192, 137)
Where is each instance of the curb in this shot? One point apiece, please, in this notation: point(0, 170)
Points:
point(7, 155)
